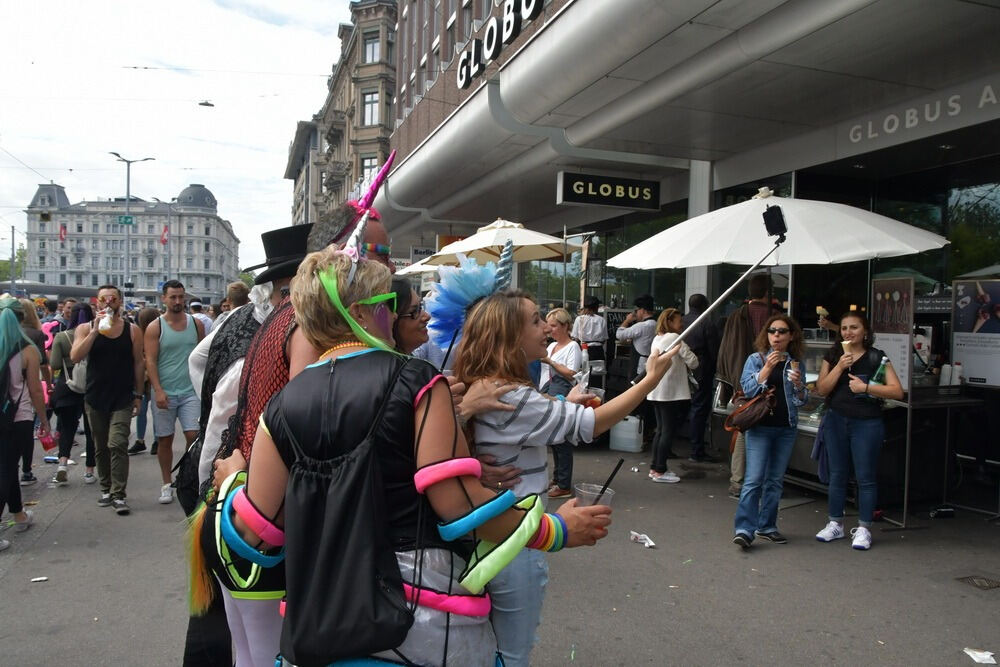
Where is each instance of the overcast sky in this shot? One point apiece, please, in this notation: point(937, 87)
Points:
point(69, 94)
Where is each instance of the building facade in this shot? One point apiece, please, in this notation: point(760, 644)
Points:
point(348, 139)
point(74, 248)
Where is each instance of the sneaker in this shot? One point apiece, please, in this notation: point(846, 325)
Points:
point(29, 520)
point(27, 479)
point(833, 531)
point(89, 478)
point(734, 492)
point(773, 536)
point(4, 545)
point(554, 492)
point(138, 448)
point(742, 541)
point(152, 449)
point(667, 478)
point(121, 507)
point(862, 538)
point(167, 494)
point(61, 477)
point(104, 500)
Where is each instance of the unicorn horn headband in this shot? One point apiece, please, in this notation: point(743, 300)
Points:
point(364, 205)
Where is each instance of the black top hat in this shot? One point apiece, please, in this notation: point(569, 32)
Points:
point(285, 249)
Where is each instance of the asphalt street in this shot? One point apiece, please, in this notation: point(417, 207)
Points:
point(115, 592)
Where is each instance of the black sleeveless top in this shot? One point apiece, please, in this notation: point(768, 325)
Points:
point(329, 408)
point(111, 372)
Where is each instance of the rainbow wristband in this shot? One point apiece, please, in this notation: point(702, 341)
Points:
point(564, 531)
point(491, 509)
point(551, 535)
point(542, 536)
point(257, 522)
point(489, 558)
point(238, 545)
point(442, 470)
point(465, 605)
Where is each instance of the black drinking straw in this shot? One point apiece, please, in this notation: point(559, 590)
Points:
point(597, 500)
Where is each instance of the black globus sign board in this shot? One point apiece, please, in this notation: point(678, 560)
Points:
point(596, 190)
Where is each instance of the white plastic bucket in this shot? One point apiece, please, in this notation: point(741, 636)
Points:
point(626, 435)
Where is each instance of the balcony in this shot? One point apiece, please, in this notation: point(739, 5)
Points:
point(336, 169)
point(337, 123)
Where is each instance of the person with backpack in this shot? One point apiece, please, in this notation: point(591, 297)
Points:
point(67, 397)
point(21, 399)
point(853, 429)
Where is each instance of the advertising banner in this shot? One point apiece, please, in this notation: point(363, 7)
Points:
point(892, 323)
point(975, 340)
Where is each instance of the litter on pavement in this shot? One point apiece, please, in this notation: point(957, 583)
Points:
point(641, 538)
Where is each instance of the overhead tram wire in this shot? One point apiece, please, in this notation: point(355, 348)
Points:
point(220, 71)
point(24, 164)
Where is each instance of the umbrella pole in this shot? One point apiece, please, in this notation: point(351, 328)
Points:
point(564, 266)
point(690, 327)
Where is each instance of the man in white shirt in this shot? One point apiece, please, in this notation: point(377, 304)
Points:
point(591, 328)
point(639, 327)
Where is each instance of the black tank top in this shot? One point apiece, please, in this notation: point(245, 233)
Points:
point(110, 372)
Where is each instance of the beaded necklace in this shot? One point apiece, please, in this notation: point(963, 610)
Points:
point(342, 346)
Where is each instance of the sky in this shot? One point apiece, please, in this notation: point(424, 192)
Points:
point(80, 79)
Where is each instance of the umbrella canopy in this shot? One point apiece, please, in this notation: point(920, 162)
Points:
point(818, 233)
point(487, 243)
point(919, 280)
point(988, 272)
point(417, 267)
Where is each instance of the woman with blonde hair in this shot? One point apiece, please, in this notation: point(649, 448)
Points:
point(365, 404)
point(669, 394)
point(503, 334)
point(560, 364)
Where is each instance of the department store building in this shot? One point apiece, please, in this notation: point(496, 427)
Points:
point(888, 105)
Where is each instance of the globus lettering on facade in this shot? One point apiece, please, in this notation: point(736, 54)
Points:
point(618, 191)
point(499, 31)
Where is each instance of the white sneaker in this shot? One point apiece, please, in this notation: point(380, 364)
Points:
point(667, 478)
point(862, 538)
point(166, 494)
point(833, 531)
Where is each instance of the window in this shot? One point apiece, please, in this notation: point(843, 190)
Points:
point(208, 246)
point(41, 227)
point(208, 230)
point(150, 229)
point(43, 200)
point(189, 263)
point(93, 280)
point(190, 228)
point(189, 246)
point(41, 277)
point(62, 278)
point(135, 244)
point(149, 244)
point(369, 108)
point(95, 262)
point(41, 245)
point(41, 261)
point(208, 282)
point(208, 263)
point(96, 228)
point(149, 263)
point(62, 262)
point(371, 47)
point(390, 46)
point(95, 244)
point(79, 279)
point(79, 228)
point(369, 166)
point(134, 261)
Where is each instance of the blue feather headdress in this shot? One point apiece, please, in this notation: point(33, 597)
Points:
point(459, 288)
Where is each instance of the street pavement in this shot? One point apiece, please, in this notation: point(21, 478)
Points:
point(116, 588)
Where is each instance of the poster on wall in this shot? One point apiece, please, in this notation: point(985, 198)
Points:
point(892, 323)
point(975, 339)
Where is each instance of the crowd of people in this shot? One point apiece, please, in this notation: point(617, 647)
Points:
point(325, 423)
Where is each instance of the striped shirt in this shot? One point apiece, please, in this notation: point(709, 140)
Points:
point(520, 437)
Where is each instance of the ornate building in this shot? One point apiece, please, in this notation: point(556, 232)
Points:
point(348, 139)
point(74, 248)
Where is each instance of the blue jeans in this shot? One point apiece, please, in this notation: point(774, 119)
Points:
point(859, 440)
point(141, 419)
point(517, 594)
point(768, 449)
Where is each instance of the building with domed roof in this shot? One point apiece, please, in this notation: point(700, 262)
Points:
point(75, 248)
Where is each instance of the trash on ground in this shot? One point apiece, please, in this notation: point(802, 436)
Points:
point(982, 657)
point(30, 503)
point(635, 468)
point(641, 538)
point(39, 579)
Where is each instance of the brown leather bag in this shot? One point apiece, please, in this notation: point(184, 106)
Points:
point(749, 411)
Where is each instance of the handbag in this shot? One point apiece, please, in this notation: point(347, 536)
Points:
point(76, 380)
point(749, 411)
point(343, 586)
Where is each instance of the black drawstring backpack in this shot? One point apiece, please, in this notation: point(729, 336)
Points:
point(344, 590)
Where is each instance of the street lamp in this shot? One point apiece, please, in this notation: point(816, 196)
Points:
point(128, 227)
point(170, 234)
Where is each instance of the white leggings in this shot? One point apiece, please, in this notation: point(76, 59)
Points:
point(256, 629)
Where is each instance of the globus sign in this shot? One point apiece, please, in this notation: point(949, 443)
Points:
point(499, 31)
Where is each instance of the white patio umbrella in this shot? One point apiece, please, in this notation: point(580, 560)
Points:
point(487, 243)
point(988, 272)
point(819, 232)
point(417, 267)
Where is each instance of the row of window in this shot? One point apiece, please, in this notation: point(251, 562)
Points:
point(115, 228)
point(117, 244)
point(147, 281)
point(119, 262)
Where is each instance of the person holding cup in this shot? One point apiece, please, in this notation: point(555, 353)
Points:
point(769, 442)
point(853, 427)
point(503, 333)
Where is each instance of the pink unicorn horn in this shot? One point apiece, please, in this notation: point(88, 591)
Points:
point(366, 202)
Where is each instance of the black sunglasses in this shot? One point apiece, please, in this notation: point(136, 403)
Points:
point(774, 330)
point(414, 313)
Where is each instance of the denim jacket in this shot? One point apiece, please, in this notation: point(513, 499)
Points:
point(793, 398)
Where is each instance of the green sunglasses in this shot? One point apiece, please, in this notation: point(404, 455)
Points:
point(380, 298)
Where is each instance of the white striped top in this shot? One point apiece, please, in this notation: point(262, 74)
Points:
point(520, 437)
